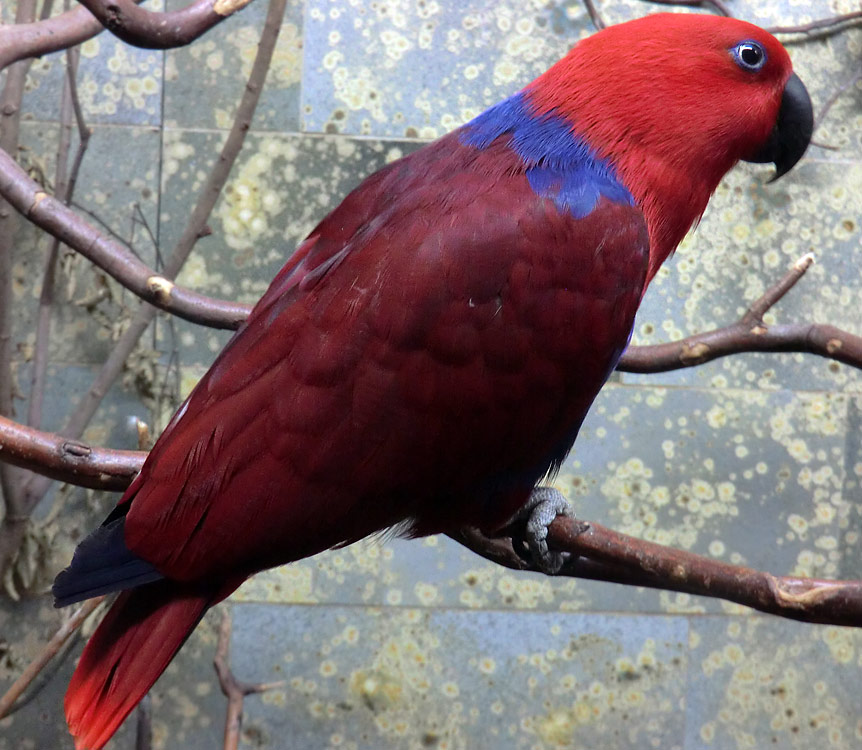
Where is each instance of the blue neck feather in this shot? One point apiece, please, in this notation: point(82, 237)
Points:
point(560, 165)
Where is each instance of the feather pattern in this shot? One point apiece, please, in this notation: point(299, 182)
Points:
point(430, 351)
point(505, 299)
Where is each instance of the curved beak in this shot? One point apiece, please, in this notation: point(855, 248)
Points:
point(792, 131)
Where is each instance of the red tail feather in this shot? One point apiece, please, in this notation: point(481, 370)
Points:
point(134, 644)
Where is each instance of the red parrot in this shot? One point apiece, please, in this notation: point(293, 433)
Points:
point(428, 353)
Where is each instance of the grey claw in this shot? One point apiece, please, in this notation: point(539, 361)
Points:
point(539, 512)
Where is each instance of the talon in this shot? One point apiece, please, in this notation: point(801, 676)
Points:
point(539, 512)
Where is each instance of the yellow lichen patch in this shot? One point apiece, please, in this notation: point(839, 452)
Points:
point(375, 689)
point(426, 593)
point(557, 727)
point(403, 684)
point(195, 274)
point(486, 665)
point(288, 583)
point(769, 684)
point(286, 66)
point(526, 593)
point(841, 643)
point(176, 152)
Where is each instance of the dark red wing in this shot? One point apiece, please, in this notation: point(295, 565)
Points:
point(428, 355)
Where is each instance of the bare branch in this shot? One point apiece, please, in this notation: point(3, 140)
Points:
point(67, 629)
point(233, 689)
point(597, 552)
point(22, 40)
point(154, 30)
point(717, 5)
point(594, 14)
point(750, 334)
point(67, 460)
point(830, 25)
point(30, 199)
point(601, 554)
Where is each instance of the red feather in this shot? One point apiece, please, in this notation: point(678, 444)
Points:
point(132, 646)
point(399, 355)
point(431, 374)
point(689, 113)
point(425, 357)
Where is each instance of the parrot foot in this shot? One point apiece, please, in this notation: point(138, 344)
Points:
point(539, 512)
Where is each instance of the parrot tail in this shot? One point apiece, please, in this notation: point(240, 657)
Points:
point(132, 646)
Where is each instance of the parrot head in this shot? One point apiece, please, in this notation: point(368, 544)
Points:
point(673, 101)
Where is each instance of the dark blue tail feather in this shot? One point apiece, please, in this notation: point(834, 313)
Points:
point(102, 563)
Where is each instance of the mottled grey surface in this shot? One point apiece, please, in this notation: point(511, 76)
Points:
point(203, 82)
point(754, 459)
point(416, 678)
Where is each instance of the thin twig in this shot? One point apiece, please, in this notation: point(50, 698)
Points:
point(14, 523)
point(144, 724)
point(717, 5)
point(830, 25)
point(113, 366)
point(64, 182)
point(48, 652)
point(594, 14)
point(757, 309)
point(234, 690)
point(848, 84)
point(84, 132)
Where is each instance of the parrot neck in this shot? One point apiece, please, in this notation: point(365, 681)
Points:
point(669, 169)
point(558, 164)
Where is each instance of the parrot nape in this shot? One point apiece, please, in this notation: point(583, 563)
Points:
point(428, 354)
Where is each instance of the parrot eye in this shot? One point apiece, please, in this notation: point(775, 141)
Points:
point(749, 55)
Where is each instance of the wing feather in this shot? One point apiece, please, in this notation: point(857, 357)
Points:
point(426, 356)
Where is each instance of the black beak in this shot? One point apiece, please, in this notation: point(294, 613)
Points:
point(792, 132)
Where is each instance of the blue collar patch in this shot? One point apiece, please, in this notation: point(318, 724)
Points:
point(560, 165)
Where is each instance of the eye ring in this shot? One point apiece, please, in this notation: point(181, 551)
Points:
point(749, 55)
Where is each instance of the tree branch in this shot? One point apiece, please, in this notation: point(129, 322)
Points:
point(13, 525)
point(234, 690)
point(597, 552)
point(30, 199)
point(750, 334)
point(594, 14)
point(50, 650)
point(601, 554)
point(717, 5)
point(22, 40)
point(830, 25)
point(155, 30)
point(67, 460)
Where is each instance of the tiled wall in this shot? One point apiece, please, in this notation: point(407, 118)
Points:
point(754, 459)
